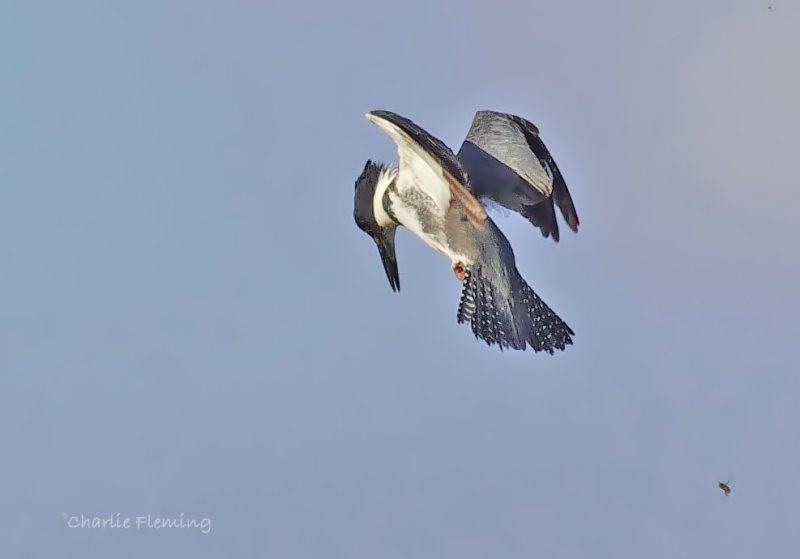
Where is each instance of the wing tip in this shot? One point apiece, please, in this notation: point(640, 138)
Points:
point(524, 320)
point(371, 116)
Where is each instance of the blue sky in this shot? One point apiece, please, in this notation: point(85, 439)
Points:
point(192, 323)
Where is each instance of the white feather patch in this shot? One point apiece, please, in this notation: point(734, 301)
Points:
point(418, 169)
point(384, 180)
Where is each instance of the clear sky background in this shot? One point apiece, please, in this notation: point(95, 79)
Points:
point(190, 321)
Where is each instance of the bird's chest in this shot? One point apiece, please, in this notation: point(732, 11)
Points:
point(419, 213)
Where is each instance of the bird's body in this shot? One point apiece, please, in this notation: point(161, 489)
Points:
point(429, 194)
point(404, 202)
point(423, 195)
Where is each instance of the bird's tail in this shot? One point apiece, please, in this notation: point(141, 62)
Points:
point(502, 309)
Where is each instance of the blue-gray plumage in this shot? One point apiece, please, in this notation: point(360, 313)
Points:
point(429, 194)
point(508, 163)
point(500, 305)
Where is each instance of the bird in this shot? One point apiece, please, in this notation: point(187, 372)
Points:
point(725, 487)
point(509, 164)
point(428, 192)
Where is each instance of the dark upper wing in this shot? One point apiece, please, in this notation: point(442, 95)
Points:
point(507, 162)
point(561, 193)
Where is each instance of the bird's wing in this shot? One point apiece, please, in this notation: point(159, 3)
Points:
point(561, 193)
point(502, 137)
point(429, 164)
point(498, 143)
point(501, 307)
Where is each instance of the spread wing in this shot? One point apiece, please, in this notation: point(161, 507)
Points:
point(500, 305)
point(428, 164)
point(508, 162)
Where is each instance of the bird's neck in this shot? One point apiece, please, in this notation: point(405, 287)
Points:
point(385, 180)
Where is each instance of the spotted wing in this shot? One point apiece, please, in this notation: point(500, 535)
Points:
point(501, 307)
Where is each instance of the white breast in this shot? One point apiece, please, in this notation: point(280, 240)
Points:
point(408, 214)
point(384, 180)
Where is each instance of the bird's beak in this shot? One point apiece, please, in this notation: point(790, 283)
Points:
point(384, 238)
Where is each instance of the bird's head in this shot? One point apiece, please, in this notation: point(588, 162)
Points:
point(372, 218)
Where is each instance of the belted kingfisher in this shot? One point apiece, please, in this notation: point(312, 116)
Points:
point(508, 163)
point(429, 193)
